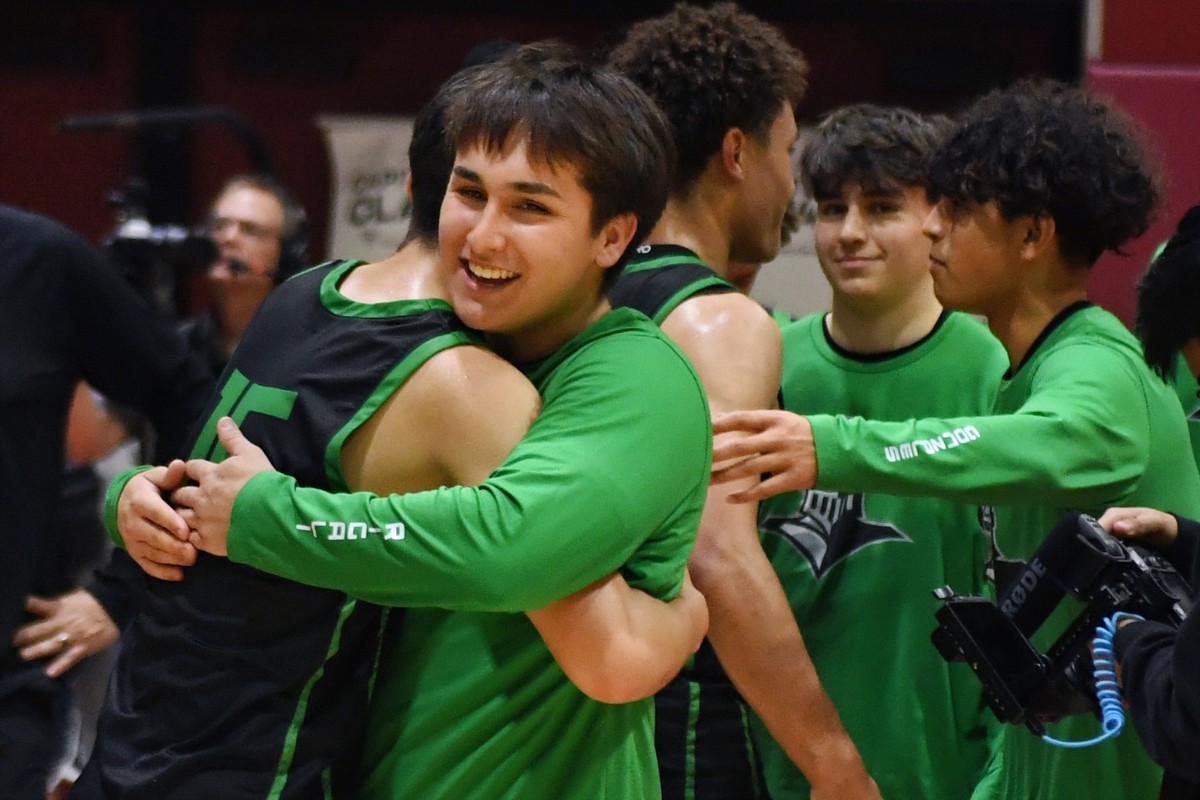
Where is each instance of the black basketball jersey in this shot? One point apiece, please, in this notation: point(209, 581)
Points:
point(234, 683)
point(657, 278)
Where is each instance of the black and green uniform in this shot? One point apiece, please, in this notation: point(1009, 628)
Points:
point(702, 732)
point(611, 476)
point(234, 683)
point(1082, 424)
point(859, 569)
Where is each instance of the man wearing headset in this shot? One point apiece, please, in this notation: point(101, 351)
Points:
point(260, 235)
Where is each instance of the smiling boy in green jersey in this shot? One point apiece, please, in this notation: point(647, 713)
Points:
point(866, 562)
point(458, 411)
point(546, 196)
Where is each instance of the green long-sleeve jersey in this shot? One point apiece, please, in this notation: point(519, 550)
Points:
point(1082, 424)
point(612, 475)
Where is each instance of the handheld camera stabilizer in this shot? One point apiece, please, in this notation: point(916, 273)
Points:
point(1077, 558)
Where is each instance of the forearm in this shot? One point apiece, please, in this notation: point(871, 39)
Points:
point(1184, 552)
point(617, 644)
point(459, 548)
point(985, 460)
point(760, 647)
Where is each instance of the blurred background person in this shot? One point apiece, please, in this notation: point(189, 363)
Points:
point(261, 238)
point(65, 314)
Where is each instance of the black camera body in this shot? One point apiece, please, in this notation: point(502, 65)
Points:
point(1077, 558)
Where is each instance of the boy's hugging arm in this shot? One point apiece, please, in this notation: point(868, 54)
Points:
point(1075, 441)
point(623, 440)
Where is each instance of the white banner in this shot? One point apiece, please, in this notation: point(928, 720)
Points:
point(369, 210)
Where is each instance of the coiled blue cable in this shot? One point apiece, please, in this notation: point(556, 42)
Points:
point(1112, 716)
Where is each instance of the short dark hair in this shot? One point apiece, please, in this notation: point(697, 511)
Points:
point(709, 70)
point(430, 156)
point(568, 110)
point(1168, 296)
point(874, 146)
point(1044, 147)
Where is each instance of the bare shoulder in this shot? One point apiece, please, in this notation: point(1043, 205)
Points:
point(477, 407)
point(468, 380)
point(458, 415)
point(735, 346)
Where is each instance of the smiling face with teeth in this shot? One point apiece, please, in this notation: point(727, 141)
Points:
point(523, 261)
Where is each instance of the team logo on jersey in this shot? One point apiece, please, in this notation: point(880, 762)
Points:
point(829, 527)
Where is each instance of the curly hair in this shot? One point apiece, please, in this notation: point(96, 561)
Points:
point(1044, 147)
point(1168, 296)
point(709, 70)
point(873, 146)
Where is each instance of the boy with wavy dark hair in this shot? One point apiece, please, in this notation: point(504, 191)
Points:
point(1035, 182)
point(865, 561)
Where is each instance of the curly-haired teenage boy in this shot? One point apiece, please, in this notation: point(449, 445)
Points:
point(1035, 182)
point(728, 83)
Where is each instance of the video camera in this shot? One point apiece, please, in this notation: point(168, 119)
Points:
point(153, 258)
point(1077, 558)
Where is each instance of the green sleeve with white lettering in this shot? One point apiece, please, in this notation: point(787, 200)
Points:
point(1078, 438)
point(611, 476)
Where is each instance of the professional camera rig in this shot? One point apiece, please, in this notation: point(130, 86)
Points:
point(154, 257)
point(1077, 558)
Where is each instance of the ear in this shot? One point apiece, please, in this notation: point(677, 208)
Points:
point(733, 150)
point(614, 237)
point(1038, 233)
point(408, 186)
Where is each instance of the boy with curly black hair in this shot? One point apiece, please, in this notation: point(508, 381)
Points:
point(1036, 181)
point(728, 84)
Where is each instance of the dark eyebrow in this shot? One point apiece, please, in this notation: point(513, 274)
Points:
point(530, 187)
point(524, 187)
point(887, 192)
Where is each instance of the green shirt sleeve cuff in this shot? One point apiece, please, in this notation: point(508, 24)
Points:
point(824, 433)
point(253, 501)
point(112, 497)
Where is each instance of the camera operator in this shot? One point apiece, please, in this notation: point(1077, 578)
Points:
point(1168, 315)
point(260, 235)
point(1159, 679)
point(1158, 663)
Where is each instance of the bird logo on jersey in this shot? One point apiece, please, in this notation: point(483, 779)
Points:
point(829, 527)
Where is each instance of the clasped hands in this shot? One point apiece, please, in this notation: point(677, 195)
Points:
point(167, 514)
